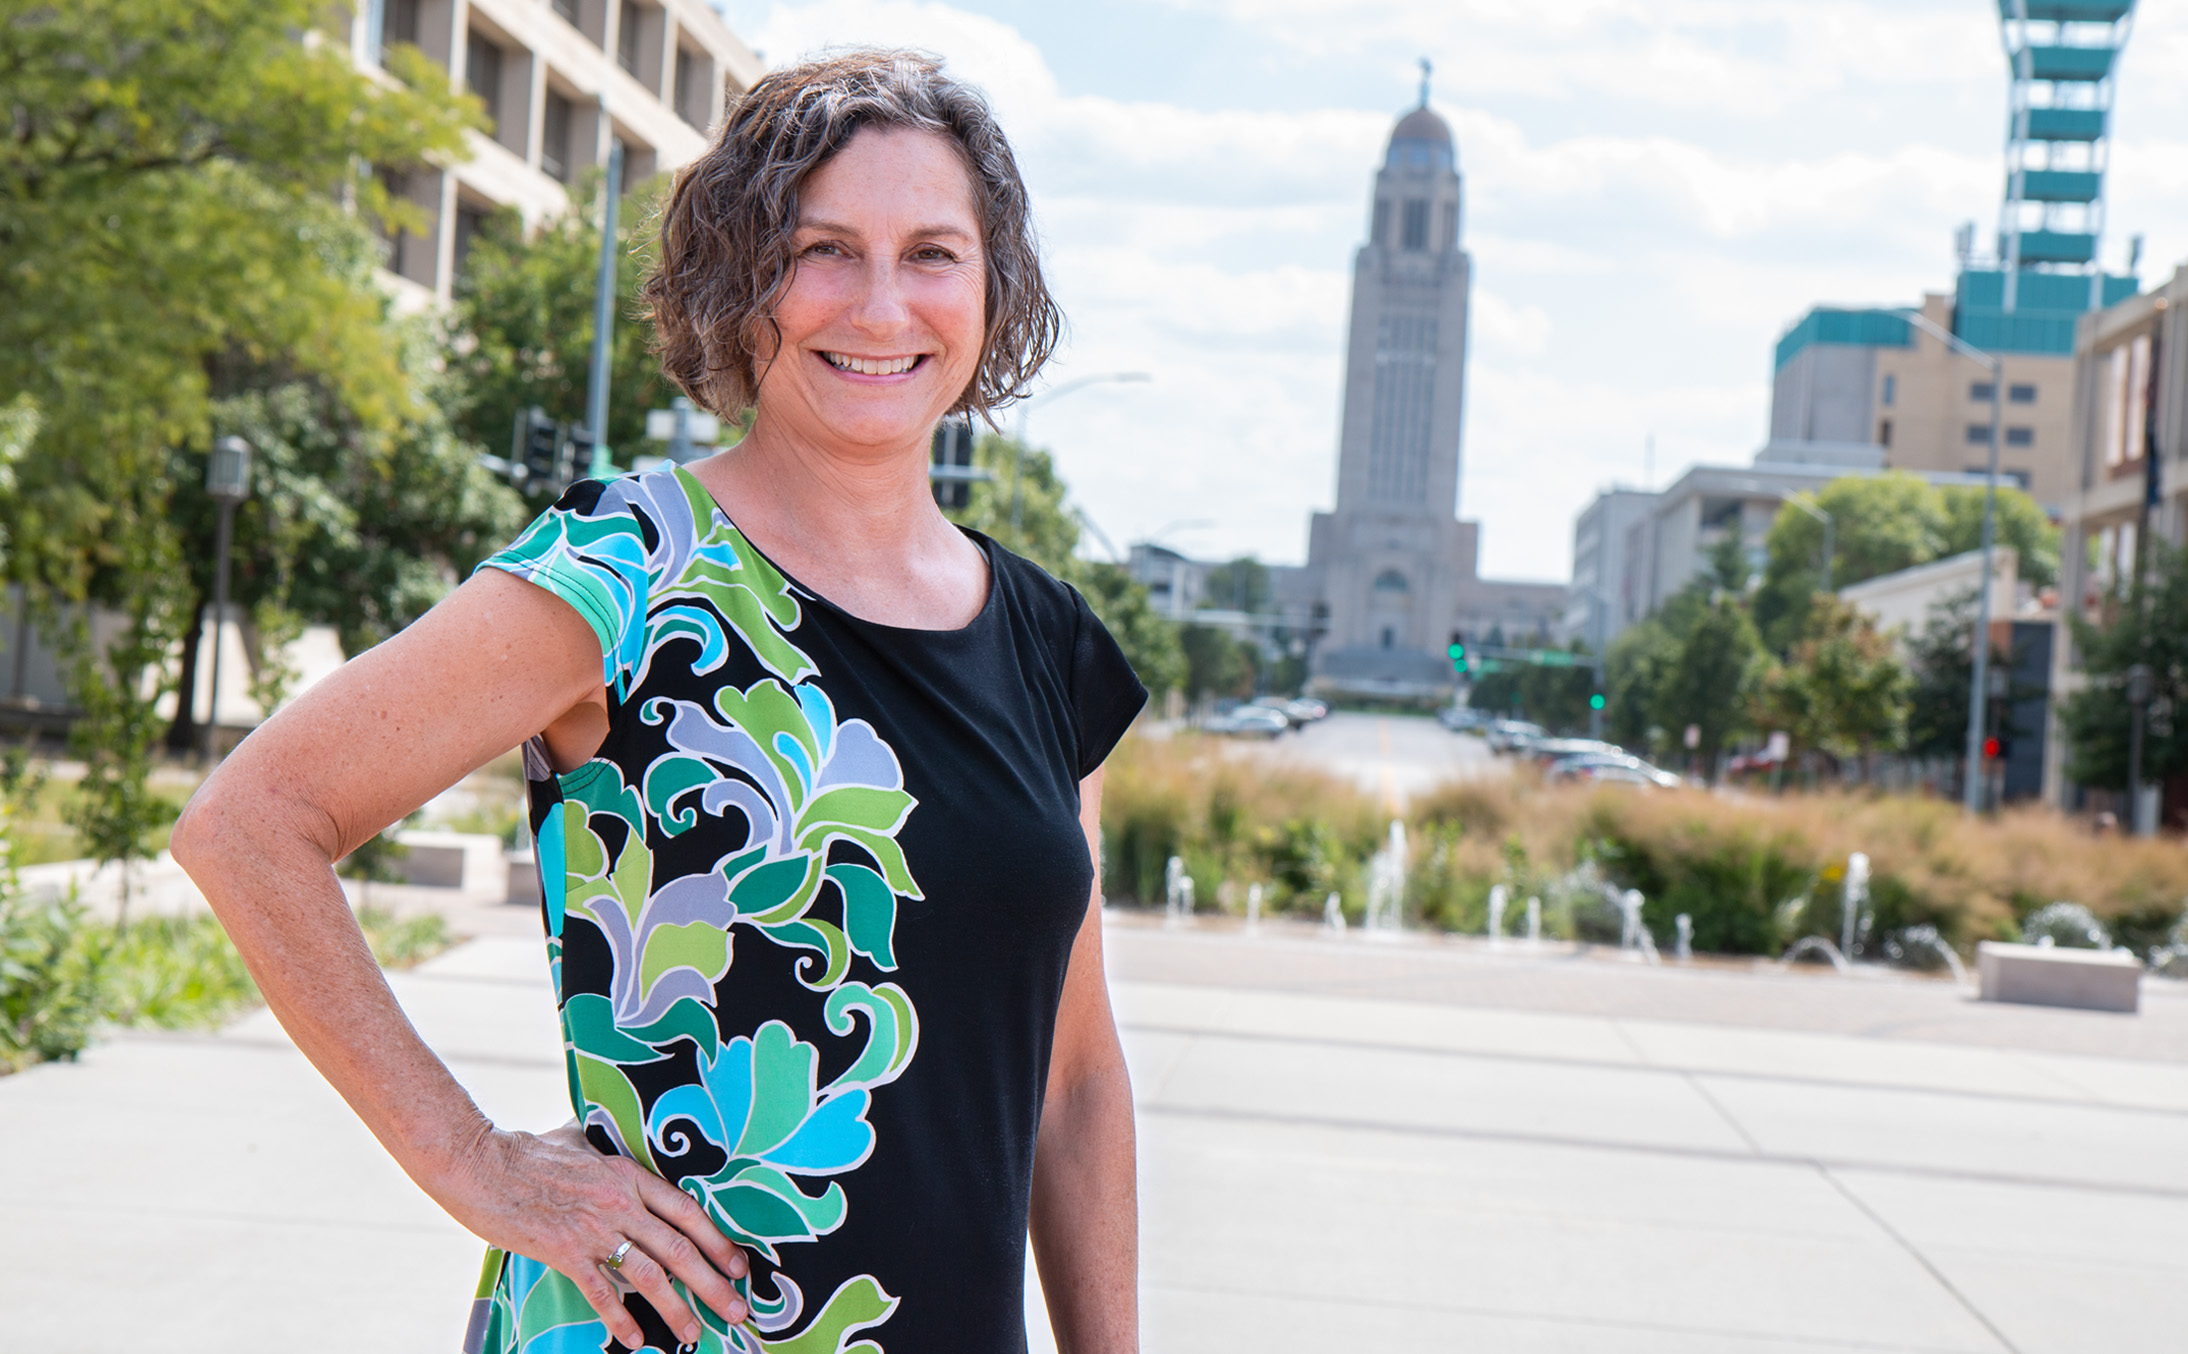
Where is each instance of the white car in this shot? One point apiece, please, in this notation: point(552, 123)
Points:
point(1250, 721)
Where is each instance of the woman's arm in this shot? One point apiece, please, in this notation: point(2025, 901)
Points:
point(1085, 1219)
point(498, 661)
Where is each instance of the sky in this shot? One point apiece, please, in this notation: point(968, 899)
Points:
point(1654, 191)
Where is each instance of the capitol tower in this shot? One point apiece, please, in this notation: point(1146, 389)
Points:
point(1390, 573)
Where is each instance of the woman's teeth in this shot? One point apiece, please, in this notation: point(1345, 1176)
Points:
point(870, 366)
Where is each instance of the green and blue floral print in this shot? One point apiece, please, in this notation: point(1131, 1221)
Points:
point(726, 889)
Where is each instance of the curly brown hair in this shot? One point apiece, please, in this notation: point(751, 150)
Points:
point(726, 257)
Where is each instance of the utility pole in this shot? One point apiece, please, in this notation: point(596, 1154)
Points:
point(596, 385)
point(1979, 675)
point(228, 483)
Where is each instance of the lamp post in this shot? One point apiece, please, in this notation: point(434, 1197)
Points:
point(596, 382)
point(228, 483)
point(2138, 702)
point(1018, 458)
point(1979, 676)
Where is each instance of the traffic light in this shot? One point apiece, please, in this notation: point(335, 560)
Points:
point(537, 457)
point(951, 463)
point(1993, 749)
point(1458, 653)
point(1595, 702)
point(579, 453)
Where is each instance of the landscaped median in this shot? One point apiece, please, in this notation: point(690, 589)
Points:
point(1753, 872)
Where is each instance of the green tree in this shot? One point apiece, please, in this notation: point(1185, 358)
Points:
point(1842, 692)
point(1940, 659)
point(2142, 626)
point(1215, 663)
point(1882, 524)
point(1708, 680)
point(2020, 524)
point(1241, 584)
point(523, 324)
point(172, 190)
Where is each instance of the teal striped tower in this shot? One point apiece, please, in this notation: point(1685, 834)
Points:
point(2062, 56)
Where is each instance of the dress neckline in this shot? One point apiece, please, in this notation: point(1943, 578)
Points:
point(980, 542)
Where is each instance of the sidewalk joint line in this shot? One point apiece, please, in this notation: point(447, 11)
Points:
point(1862, 1205)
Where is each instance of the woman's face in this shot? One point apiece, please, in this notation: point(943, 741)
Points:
point(883, 322)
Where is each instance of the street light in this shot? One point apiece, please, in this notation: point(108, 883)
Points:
point(2138, 701)
point(1978, 678)
point(228, 483)
point(1018, 459)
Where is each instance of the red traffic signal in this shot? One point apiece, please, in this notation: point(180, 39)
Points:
point(1990, 749)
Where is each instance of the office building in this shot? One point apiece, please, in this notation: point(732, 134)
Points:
point(545, 70)
point(2130, 435)
point(1866, 375)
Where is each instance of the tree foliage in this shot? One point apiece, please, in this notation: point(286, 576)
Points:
point(1241, 584)
point(1842, 691)
point(2143, 626)
point(523, 325)
point(1882, 524)
point(175, 223)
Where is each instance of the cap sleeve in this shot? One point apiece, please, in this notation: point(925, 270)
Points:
point(590, 550)
point(1106, 694)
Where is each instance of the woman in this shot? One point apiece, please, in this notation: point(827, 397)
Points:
point(815, 781)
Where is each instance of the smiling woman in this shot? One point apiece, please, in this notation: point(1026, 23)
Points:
point(815, 778)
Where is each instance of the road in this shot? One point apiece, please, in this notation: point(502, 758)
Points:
point(1344, 1143)
point(1395, 756)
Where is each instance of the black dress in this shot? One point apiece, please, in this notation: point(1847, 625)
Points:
point(808, 913)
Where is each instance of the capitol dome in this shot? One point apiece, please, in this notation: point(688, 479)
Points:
point(1421, 140)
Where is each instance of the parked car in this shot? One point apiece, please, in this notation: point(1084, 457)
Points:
point(1250, 721)
point(1462, 718)
point(1306, 710)
point(1545, 751)
point(1607, 768)
point(1512, 735)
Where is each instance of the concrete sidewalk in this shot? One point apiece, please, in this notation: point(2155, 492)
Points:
point(1367, 1161)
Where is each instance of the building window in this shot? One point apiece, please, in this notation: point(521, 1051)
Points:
point(554, 140)
point(690, 99)
point(1981, 390)
point(2020, 437)
point(388, 22)
point(1379, 229)
point(2124, 401)
point(567, 9)
point(1450, 236)
point(469, 221)
point(1390, 638)
point(2021, 394)
point(1891, 391)
point(626, 37)
point(1884, 432)
point(482, 75)
point(1415, 225)
point(1390, 580)
point(1979, 434)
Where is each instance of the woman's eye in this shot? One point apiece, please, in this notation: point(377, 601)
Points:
point(826, 247)
point(932, 254)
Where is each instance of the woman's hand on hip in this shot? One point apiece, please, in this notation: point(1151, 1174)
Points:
point(555, 1198)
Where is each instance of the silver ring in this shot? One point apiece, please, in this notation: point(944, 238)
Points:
point(615, 1261)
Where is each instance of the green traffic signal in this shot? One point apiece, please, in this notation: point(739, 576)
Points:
point(1458, 653)
point(1595, 702)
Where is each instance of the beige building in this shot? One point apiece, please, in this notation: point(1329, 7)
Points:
point(1869, 377)
point(544, 69)
point(2127, 358)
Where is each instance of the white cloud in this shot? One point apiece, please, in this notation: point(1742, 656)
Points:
point(1654, 189)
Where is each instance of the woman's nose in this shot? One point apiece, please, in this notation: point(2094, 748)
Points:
point(881, 306)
